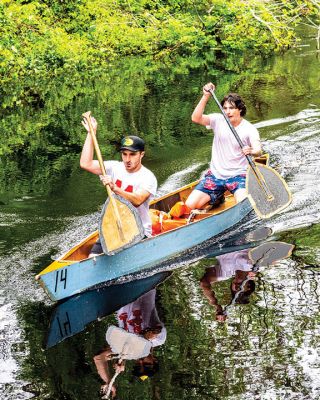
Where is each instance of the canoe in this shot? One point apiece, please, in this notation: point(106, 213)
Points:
point(74, 272)
point(73, 315)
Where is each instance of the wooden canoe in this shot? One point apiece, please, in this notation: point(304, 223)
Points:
point(74, 272)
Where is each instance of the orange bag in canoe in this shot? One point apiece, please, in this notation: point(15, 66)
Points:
point(179, 209)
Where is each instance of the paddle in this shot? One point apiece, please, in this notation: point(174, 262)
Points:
point(120, 223)
point(267, 190)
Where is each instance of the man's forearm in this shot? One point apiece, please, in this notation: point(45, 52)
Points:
point(87, 152)
point(198, 112)
point(135, 199)
point(86, 159)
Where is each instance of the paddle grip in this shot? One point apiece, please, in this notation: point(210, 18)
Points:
point(87, 117)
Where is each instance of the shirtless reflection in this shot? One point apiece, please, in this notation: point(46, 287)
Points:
point(237, 266)
point(139, 331)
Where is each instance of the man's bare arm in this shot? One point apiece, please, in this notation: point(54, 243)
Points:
point(86, 159)
point(198, 115)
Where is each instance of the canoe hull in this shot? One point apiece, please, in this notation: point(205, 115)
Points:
point(73, 315)
point(80, 276)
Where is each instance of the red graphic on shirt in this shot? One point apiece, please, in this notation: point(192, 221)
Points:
point(129, 188)
point(135, 321)
point(123, 317)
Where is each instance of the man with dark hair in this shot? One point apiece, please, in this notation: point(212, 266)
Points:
point(127, 178)
point(235, 99)
point(228, 162)
point(237, 266)
point(146, 367)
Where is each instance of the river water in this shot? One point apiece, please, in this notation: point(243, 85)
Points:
point(266, 348)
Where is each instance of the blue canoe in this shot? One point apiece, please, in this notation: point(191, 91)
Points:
point(74, 272)
point(73, 315)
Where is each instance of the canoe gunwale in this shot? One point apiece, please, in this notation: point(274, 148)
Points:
point(63, 260)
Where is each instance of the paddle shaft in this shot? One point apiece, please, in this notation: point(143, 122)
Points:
point(87, 116)
point(248, 157)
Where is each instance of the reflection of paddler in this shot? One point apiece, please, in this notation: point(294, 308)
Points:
point(236, 265)
point(102, 361)
point(244, 265)
point(141, 317)
point(143, 368)
point(140, 329)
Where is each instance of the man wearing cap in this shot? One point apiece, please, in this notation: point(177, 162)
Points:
point(127, 178)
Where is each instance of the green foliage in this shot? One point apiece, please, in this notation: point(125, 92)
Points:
point(138, 95)
point(54, 52)
point(45, 38)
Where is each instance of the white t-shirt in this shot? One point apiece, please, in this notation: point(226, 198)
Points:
point(131, 182)
point(229, 263)
point(142, 314)
point(227, 158)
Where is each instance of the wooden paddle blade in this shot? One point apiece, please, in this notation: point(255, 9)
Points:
point(270, 252)
point(128, 345)
point(264, 204)
point(114, 238)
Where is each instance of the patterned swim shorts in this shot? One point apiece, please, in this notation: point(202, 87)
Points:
point(215, 187)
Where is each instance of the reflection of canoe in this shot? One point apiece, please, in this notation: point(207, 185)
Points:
point(74, 272)
point(72, 316)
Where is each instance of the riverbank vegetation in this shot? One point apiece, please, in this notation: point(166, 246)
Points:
point(42, 39)
point(60, 58)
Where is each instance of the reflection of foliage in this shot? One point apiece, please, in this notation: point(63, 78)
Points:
point(43, 39)
point(65, 368)
point(136, 95)
point(258, 348)
point(304, 237)
point(42, 140)
point(35, 319)
point(150, 96)
point(205, 359)
point(306, 241)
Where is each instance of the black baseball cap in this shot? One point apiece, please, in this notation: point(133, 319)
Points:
point(132, 143)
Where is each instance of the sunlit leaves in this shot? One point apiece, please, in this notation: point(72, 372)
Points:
point(49, 44)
